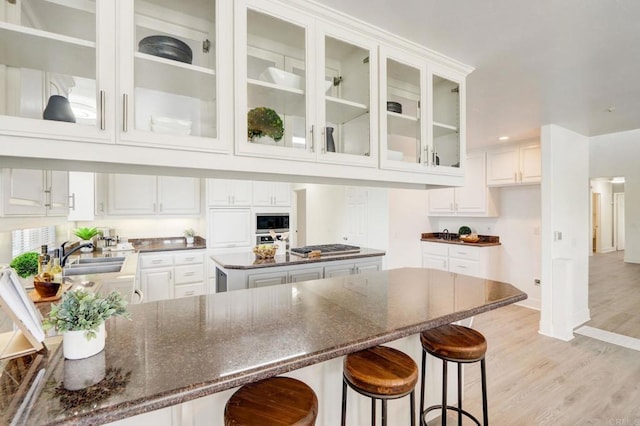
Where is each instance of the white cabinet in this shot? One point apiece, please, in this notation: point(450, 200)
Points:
point(27, 192)
point(81, 196)
point(306, 274)
point(514, 165)
point(229, 228)
point(271, 194)
point(143, 194)
point(168, 275)
point(227, 192)
point(464, 259)
point(472, 199)
point(351, 268)
point(338, 270)
point(56, 61)
point(320, 79)
point(266, 279)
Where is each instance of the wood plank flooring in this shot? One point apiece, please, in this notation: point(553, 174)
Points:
point(537, 380)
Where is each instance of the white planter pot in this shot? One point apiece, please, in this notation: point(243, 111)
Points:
point(76, 346)
point(189, 240)
point(86, 249)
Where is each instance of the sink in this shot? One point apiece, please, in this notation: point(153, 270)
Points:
point(89, 260)
point(98, 265)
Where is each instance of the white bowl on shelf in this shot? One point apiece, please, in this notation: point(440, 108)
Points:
point(395, 155)
point(282, 78)
point(287, 79)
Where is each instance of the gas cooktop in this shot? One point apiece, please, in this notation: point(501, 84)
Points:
point(325, 249)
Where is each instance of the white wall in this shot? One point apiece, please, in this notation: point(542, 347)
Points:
point(618, 154)
point(565, 207)
point(518, 227)
point(407, 221)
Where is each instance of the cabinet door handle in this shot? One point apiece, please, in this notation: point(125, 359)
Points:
point(103, 109)
point(101, 207)
point(160, 206)
point(515, 176)
point(47, 198)
point(313, 136)
point(72, 201)
point(125, 112)
point(140, 295)
point(519, 176)
point(455, 206)
point(154, 207)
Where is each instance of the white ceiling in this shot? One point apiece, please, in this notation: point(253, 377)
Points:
point(537, 61)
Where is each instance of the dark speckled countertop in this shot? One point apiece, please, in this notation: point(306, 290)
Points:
point(439, 237)
point(144, 245)
point(156, 359)
point(249, 260)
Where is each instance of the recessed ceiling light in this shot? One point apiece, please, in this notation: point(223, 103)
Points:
point(503, 138)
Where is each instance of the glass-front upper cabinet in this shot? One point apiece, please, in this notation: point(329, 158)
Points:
point(347, 88)
point(303, 90)
point(50, 81)
point(448, 122)
point(403, 93)
point(172, 75)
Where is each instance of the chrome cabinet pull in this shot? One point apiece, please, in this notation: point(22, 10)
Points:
point(103, 108)
point(72, 201)
point(125, 112)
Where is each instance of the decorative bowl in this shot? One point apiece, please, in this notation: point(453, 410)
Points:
point(166, 47)
point(265, 251)
point(471, 238)
point(46, 288)
point(394, 107)
point(282, 78)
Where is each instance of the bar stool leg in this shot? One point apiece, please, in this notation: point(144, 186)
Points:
point(485, 413)
point(422, 377)
point(444, 392)
point(384, 412)
point(373, 412)
point(459, 394)
point(344, 403)
point(412, 398)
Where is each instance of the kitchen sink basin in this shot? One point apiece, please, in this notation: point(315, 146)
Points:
point(98, 265)
point(90, 260)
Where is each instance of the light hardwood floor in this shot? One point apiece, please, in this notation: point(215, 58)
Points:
point(537, 380)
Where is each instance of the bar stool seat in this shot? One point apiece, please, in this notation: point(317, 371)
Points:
point(277, 401)
point(380, 373)
point(461, 345)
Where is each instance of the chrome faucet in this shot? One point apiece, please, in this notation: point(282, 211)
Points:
point(445, 234)
point(65, 256)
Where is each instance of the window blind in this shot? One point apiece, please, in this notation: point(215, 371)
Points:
point(24, 240)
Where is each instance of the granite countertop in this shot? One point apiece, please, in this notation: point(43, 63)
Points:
point(248, 260)
point(438, 237)
point(145, 245)
point(177, 350)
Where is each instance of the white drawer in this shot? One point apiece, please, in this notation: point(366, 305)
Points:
point(435, 262)
point(466, 267)
point(462, 252)
point(189, 274)
point(156, 260)
point(188, 257)
point(188, 290)
point(439, 249)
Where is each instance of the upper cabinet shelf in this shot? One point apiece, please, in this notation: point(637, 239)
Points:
point(285, 100)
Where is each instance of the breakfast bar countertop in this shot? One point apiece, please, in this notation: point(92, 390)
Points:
point(174, 351)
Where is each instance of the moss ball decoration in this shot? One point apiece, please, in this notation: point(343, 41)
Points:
point(263, 121)
point(464, 230)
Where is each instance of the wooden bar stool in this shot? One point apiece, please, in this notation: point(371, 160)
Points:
point(278, 401)
point(380, 373)
point(462, 345)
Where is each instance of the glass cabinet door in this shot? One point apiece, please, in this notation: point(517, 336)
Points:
point(48, 58)
point(170, 95)
point(348, 93)
point(402, 90)
point(277, 83)
point(446, 124)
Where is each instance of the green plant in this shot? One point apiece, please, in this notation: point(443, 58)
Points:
point(263, 121)
point(86, 233)
point(83, 310)
point(25, 264)
point(189, 232)
point(464, 230)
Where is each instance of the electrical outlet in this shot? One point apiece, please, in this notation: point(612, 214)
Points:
point(536, 282)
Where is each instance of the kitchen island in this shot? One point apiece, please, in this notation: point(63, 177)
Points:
point(177, 352)
point(236, 271)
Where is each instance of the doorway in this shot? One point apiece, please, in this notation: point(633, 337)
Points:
point(300, 215)
point(618, 220)
point(595, 221)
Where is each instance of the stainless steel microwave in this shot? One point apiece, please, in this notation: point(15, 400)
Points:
point(277, 222)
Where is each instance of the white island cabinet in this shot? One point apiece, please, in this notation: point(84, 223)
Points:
point(172, 274)
point(237, 271)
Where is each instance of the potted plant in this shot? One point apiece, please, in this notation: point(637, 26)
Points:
point(86, 234)
point(189, 235)
point(26, 266)
point(80, 317)
point(263, 121)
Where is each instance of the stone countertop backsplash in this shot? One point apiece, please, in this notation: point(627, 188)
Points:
point(453, 238)
point(144, 245)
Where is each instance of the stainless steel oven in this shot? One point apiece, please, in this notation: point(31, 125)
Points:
point(276, 222)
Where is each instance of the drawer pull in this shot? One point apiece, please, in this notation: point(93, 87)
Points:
point(189, 293)
point(156, 261)
point(189, 259)
point(462, 267)
point(189, 274)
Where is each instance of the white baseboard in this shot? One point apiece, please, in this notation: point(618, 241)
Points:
point(530, 303)
point(580, 318)
point(607, 250)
